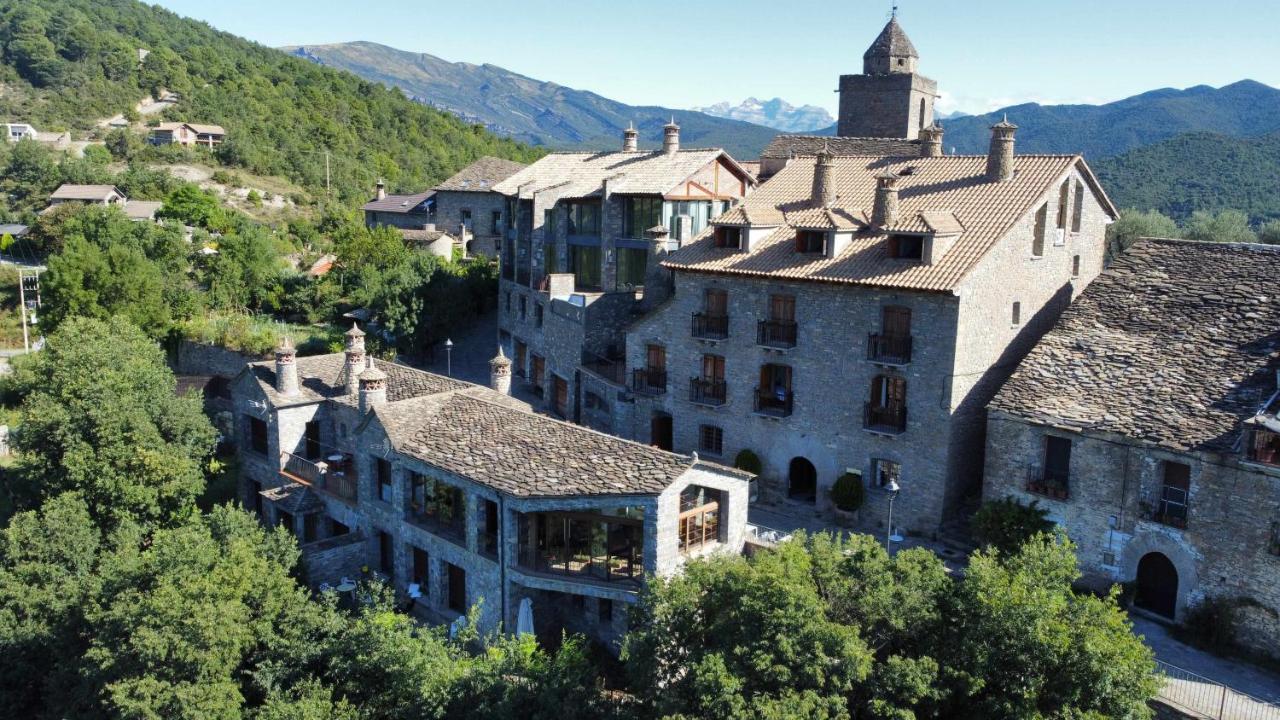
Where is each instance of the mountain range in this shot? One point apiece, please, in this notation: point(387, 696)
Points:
point(532, 111)
point(776, 113)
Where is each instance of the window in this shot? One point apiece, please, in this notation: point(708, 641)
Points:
point(1265, 447)
point(1016, 317)
point(713, 368)
point(886, 410)
point(495, 222)
point(656, 357)
point(711, 439)
point(560, 396)
point(386, 554)
point(584, 218)
point(713, 321)
point(632, 265)
point(728, 237)
point(518, 361)
point(1057, 461)
point(773, 395)
point(1064, 200)
point(457, 592)
point(604, 610)
point(466, 218)
point(810, 241)
point(1079, 209)
point(489, 527)
point(584, 263)
point(257, 435)
point(782, 308)
point(779, 331)
point(922, 107)
point(537, 314)
point(699, 517)
point(384, 479)
point(1037, 240)
point(311, 440)
point(906, 247)
point(1174, 494)
point(606, 545)
point(285, 520)
point(537, 371)
point(884, 472)
point(640, 214)
point(438, 506)
point(709, 389)
point(524, 307)
point(420, 574)
point(1075, 266)
point(550, 258)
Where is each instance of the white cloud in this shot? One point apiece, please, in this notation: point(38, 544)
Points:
point(976, 105)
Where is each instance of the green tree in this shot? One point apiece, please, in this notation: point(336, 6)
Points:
point(122, 143)
point(100, 417)
point(1270, 233)
point(245, 272)
point(1224, 226)
point(1134, 224)
point(1007, 524)
point(85, 280)
point(193, 206)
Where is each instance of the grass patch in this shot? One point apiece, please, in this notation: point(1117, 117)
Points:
point(259, 335)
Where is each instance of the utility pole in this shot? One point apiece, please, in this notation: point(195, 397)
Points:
point(22, 303)
point(328, 189)
point(28, 284)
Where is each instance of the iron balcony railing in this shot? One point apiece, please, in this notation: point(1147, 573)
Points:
point(774, 402)
point(336, 476)
point(707, 392)
point(615, 371)
point(889, 349)
point(776, 334)
point(1050, 482)
point(649, 381)
point(885, 419)
point(710, 327)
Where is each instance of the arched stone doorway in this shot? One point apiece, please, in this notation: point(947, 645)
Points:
point(802, 481)
point(1157, 583)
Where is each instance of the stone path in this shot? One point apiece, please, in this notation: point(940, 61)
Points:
point(1199, 693)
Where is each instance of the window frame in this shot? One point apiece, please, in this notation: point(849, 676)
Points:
point(711, 439)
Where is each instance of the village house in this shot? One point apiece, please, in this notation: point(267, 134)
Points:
point(187, 134)
point(467, 207)
point(15, 132)
point(136, 210)
point(855, 315)
point(416, 211)
point(1146, 423)
point(458, 496)
point(586, 232)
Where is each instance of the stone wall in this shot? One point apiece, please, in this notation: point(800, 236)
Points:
point(407, 221)
point(450, 205)
point(1114, 485)
point(885, 105)
point(329, 560)
point(194, 358)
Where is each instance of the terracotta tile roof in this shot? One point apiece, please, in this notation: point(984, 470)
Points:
point(522, 454)
point(956, 184)
point(67, 191)
point(399, 203)
point(787, 146)
point(941, 222)
point(826, 219)
point(757, 216)
point(482, 175)
point(1175, 344)
point(583, 174)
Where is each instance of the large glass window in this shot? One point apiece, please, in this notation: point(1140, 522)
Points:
point(584, 218)
point(699, 517)
point(632, 264)
point(640, 214)
point(436, 506)
point(606, 546)
point(584, 261)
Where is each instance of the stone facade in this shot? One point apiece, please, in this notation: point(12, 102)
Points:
point(483, 214)
point(889, 99)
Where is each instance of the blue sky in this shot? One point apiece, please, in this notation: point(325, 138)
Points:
point(983, 53)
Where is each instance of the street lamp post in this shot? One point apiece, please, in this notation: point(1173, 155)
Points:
point(893, 489)
point(448, 357)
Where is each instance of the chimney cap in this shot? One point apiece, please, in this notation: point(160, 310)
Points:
point(671, 124)
point(500, 358)
point(355, 330)
point(887, 174)
point(1004, 124)
point(285, 346)
point(372, 373)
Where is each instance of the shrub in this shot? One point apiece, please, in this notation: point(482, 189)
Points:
point(847, 493)
point(1006, 524)
point(749, 461)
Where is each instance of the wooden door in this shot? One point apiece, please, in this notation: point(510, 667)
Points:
point(311, 435)
point(716, 303)
point(656, 358)
point(713, 368)
point(897, 322)
point(1157, 583)
point(457, 588)
point(782, 308)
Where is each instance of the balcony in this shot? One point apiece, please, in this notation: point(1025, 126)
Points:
point(707, 392)
point(889, 419)
point(710, 327)
point(1170, 510)
point(776, 334)
point(774, 403)
point(613, 370)
point(1048, 482)
point(889, 349)
point(336, 476)
point(649, 381)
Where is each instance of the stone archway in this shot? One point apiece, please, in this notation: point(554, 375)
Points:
point(802, 480)
point(1157, 585)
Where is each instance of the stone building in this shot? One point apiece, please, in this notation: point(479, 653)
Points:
point(467, 207)
point(889, 99)
point(855, 315)
point(587, 234)
point(415, 211)
point(458, 497)
point(1146, 423)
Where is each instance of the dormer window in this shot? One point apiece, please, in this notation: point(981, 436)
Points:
point(810, 241)
point(906, 247)
point(728, 237)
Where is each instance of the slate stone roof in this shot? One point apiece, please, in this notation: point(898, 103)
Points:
point(788, 146)
point(322, 377)
point(583, 174)
point(142, 209)
point(294, 498)
point(399, 203)
point(952, 190)
point(95, 193)
point(892, 42)
point(1175, 344)
point(425, 237)
point(482, 175)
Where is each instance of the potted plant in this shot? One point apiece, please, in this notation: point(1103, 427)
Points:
point(847, 495)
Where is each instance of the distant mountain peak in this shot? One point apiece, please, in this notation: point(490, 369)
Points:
point(775, 113)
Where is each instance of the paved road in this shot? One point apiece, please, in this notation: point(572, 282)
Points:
point(1244, 677)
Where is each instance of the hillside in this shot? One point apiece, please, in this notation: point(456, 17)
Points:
point(68, 62)
point(532, 111)
point(776, 113)
point(1198, 171)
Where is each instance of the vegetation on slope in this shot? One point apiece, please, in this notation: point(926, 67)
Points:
point(68, 62)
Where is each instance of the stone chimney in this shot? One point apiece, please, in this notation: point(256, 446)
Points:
point(671, 137)
point(657, 279)
point(355, 359)
point(824, 182)
point(630, 139)
point(380, 192)
point(885, 210)
point(931, 141)
point(1000, 157)
point(373, 389)
point(500, 373)
point(286, 368)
